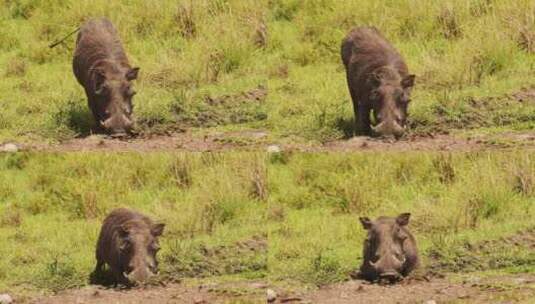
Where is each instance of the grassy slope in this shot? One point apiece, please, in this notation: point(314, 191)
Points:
point(222, 225)
point(464, 53)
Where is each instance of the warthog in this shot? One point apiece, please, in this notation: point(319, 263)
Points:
point(390, 251)
point(378, 80)
point(101, 67)
point(128, 243)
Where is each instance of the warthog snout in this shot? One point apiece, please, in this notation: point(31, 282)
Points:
point(141, 269)
point(389, 128)
point(388, 268)
point(118, 125)
point(390, 277)
point(139, 276)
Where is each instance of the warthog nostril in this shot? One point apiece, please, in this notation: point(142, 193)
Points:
point(388, 129)
point(139, 275)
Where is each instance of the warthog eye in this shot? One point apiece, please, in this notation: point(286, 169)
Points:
point(401, 235)
point(125, 245)
point(403, 98)
point(130, 92)
point(400, 257)
point(102, 90)
point(374, 95)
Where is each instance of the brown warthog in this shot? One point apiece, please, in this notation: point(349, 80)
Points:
point(101, 67)
point(378, 80)
point(390, 251)
point(128, 243)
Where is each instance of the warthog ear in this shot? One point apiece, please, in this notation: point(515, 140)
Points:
point(374, 80)
point(408, 81)
point(132, 73)
point(403, 219)
point(157, 229)
point(366, 222)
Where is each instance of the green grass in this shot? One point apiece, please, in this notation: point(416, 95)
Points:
point(468, 57)
point(286, 218)
point(459, 203)
point(51, 208)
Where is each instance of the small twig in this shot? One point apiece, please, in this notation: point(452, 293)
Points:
point(64, 38)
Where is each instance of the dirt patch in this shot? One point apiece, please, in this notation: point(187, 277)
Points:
point(187, 142)
point(486, 255)
point(260, 140)
point(243, 107)
point(504, 289)
point(241, 292)
point(522, 239)
point(431, 142)
point(204, 261)
point(470, 289)
point(526, 95)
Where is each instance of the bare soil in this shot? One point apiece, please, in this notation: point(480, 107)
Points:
point(240, 292)
point(259, 140)
point(504, 289)
point(472, 289)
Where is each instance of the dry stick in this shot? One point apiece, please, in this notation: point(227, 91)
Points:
point(64, 38)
